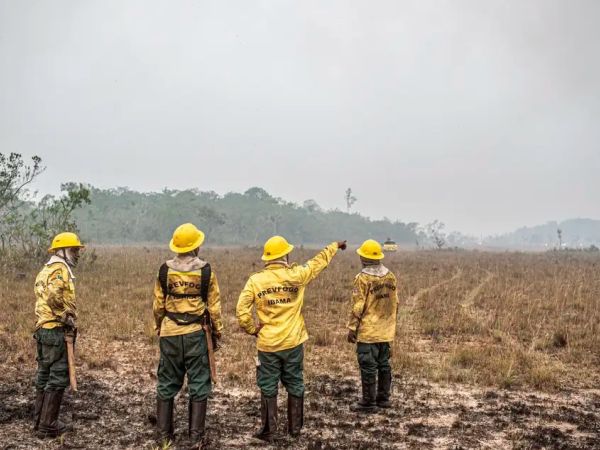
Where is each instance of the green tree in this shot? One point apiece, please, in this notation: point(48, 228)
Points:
point(53, 215)
point(26, 225)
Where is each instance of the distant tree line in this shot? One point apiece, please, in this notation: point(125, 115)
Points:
point(124, 216)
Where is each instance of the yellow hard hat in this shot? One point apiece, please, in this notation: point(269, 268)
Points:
point(186, 238)
point(65, 240)
point(275, 248)
point(370, 249)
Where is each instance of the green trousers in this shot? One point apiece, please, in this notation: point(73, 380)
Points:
point(179, 355)
point(285, 365)
point(53, 368)
point(373, 359)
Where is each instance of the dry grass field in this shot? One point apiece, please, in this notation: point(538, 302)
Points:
point(493, 350)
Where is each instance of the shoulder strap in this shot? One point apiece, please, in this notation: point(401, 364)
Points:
point(205, 275)
point(187, 318)
point(162, 278)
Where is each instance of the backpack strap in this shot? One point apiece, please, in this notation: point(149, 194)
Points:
point(186, 318)
point(205, 274)
point(163, 273)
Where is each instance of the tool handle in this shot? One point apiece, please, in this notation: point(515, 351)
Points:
point(211, 353)
point(71, 362)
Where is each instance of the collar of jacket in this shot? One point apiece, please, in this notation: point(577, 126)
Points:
point(57, 259)
point(379, 270)
point(275, 264)
point(186, 263)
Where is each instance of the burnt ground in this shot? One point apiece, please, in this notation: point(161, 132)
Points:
point(110, 415)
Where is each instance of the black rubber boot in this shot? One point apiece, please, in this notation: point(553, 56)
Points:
point(295, 415)
point(49, 425)
point(164, 420)
point(384, 386)
point(37, 408)
point(268, 418)
point(367, 403)
point(197, 424)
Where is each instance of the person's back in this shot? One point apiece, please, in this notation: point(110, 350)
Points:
point(378, 287)
point(277, 293)
point(372, 326)
point(278, 290)
point(187, 312)
point(180, 294)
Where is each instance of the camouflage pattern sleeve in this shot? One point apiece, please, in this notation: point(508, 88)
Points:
point(55, 290)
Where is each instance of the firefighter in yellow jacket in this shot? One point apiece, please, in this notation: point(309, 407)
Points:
point(56, 316)
point(186, 307)
point(372, 326)
point(277, 293)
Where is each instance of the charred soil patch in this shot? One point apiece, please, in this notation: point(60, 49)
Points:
point(424, 415)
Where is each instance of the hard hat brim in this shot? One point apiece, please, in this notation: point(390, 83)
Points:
point(58, 247)
point(197, 243)
point(278, 255)
point(373, 257)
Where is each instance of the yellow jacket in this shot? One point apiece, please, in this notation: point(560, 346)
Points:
point(374, 305)
point(277, 292)
point(183, 277)
point(55, 294)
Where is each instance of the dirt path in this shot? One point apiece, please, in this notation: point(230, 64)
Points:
point(468, 304)
point(470, 298)
point(412, 301)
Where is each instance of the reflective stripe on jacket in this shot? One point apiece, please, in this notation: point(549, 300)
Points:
point(277, 293)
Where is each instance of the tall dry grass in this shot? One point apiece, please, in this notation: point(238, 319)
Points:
point(505, 319)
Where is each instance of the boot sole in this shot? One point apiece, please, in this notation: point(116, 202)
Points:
point(364, 410)
point(52, 435)
point(269, 440)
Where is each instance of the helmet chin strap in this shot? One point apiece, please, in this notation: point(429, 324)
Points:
point(67, 257)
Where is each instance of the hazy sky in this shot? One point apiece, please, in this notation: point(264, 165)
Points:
point(483, 114)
